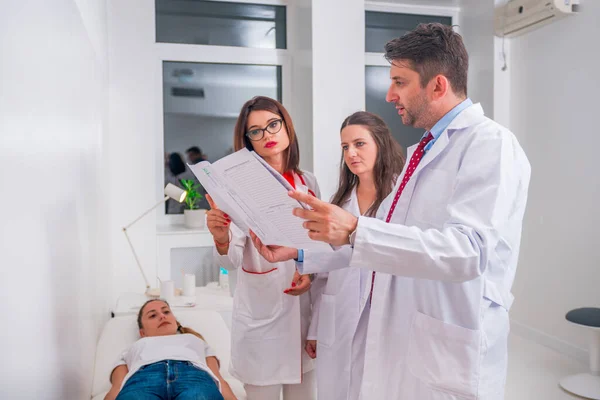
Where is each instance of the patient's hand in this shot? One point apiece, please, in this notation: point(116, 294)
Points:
point(116, 379)
point(112, 394)
point(226, 391)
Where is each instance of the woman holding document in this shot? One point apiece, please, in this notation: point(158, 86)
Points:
point(271, 315)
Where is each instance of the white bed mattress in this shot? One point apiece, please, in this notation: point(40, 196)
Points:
point(120, 332)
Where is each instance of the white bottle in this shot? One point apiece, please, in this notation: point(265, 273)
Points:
point(224, 279)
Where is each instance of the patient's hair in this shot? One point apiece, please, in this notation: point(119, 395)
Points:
point(180, 329)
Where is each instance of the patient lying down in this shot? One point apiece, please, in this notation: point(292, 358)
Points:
point(168, 362)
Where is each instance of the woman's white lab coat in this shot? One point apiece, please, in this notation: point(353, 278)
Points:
point(445, 265)
point(340, 341)
point(269, 328)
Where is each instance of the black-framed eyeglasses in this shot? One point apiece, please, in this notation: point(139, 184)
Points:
point(259, 133)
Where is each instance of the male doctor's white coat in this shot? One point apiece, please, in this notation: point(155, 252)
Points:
point(445, 265)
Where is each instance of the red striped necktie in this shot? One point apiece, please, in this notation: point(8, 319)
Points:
point(412, 165)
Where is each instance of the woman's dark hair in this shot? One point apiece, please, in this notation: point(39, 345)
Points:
point(388, 164)
point(433, 49)
point(176, 164)
point(180, 329)
point(240, 140)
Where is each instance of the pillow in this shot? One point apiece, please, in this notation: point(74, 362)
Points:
point(122, 331)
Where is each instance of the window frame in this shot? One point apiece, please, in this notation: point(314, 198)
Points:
point(177, 52)
point(377, 59)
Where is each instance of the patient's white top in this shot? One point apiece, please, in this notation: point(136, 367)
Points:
point(180, 347)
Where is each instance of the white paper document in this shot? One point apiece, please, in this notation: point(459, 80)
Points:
point(255, 196)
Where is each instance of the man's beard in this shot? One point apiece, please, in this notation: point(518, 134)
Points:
point(418, 113)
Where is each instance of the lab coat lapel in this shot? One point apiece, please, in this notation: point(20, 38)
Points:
point(401, 210)
point(351, 205)
point(300, 186)
point(467, 118)
point(435, 150)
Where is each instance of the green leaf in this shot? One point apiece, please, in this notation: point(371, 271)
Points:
point(191, 188)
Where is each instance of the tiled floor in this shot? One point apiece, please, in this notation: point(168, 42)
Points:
point(535, 370)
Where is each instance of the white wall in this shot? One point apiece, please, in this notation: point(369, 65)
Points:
point(502, 81)
point(300, 45)
point(338, 49)
point(476, 26)
point(554, 112)
point(52, 119)
point(135, 131)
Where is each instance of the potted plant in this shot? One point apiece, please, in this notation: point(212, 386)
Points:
point(193, 217)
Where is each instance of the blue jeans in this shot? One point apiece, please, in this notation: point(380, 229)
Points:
point(170, 380)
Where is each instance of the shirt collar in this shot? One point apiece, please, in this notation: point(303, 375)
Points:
point(443, 123)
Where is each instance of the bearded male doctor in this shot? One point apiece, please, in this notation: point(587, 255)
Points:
point(445, 244)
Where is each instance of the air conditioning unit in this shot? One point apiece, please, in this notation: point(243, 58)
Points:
point(520, 16)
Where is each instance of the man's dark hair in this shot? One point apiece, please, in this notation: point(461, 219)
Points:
point(433, 49)
point(194, 149)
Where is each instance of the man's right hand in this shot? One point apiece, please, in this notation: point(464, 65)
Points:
point(217, 222)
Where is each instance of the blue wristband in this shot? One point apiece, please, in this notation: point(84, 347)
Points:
point(300, 256)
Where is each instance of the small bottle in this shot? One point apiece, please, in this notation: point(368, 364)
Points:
point(224, 279)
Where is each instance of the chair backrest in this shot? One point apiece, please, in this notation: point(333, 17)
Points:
point(121, 332)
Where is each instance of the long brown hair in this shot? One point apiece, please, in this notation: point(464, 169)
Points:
point(240, 140)
point(180, 329)
point(388, 164)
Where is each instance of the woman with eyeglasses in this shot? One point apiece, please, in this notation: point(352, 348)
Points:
point(272, 303)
